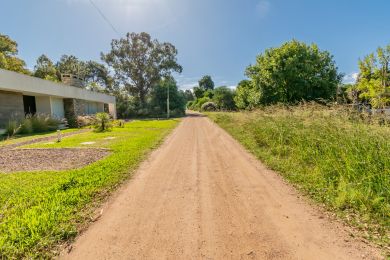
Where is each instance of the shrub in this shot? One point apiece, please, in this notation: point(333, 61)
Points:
point(83, 121)
point(42, 123)
point(26, 127)
point(209, 106)
point(102, 122)
point(12, 127)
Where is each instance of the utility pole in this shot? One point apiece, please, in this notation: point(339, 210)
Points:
point(167, 100)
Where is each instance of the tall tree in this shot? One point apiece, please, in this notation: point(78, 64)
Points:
point(373, 81)
point(140, 62)
point(97, 77)
point(224, 98)
point(198, 92)
point(188, 95)
point(8, 58)
point(206, 83)
point(69, 64)
point(45, 69)
point(158, 100)
point(294, 72)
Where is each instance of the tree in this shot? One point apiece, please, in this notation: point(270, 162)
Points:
point(247, 95)
point(8, 59)
point(97, 77)
point(69, 64)
point(188, 95)
point(206, 83)
point(45, 69)
point(158, 96)
point(224, 98)
point(198, 92)
point(140, 62)
point(373, 81)
point(294, 72)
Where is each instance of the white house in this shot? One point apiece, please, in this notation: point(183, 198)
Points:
point(21, 94)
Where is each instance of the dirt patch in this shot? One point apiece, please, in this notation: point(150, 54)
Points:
point(13, 160)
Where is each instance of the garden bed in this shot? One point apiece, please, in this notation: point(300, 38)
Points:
point(15, 160)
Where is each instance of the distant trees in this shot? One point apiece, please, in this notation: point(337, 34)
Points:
point(8, 58)
point(224, 98)
point(294, 72)
point(45, 69)
point(140, 63)
point(206, 83)
point(159, 94)
point(209, 98)
point(373, 83)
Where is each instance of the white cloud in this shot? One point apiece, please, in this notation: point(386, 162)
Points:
point(350, 78)
point(186, 82)
point(263, 8)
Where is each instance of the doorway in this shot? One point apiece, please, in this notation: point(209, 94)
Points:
point(30, 107)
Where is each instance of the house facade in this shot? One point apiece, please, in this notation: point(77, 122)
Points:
point(21, 94)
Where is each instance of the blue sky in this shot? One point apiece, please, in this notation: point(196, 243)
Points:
point(216, 37)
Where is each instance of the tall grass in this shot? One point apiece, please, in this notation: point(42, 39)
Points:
point(339, 157)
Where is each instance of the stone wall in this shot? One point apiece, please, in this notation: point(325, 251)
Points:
point(70, 112)
point(11, 106)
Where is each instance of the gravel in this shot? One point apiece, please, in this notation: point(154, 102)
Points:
point(14, 160)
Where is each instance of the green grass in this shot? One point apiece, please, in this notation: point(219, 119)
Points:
point(39, 210)
point(339, 161)
point(22, 138)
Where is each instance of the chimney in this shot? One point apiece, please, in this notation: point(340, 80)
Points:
point(72, 80)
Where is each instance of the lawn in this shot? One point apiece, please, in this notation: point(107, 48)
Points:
point(40, 210)
point(335, 157)
point(22, 138)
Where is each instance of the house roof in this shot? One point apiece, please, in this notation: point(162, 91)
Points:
point(16, 82)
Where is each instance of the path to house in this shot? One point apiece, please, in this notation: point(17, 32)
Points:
point(201, 196)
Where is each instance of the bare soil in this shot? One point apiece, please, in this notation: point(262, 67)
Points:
point(14, 160)
point(202, 196)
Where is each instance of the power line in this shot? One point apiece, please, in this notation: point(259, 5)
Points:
point(104, 17)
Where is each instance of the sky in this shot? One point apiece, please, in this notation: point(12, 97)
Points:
point(214, 37)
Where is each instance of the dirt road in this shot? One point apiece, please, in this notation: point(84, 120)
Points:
point(201, 196)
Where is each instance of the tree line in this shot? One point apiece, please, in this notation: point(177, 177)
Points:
point(296, 72)
point(139, 70)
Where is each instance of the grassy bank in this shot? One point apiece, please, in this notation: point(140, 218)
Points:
point(332, 155)
point(39, 210)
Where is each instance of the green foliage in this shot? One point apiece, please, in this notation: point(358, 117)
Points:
point(374, 78)
point(69, 64)
point(45, 69)
point(40, 210)
point(140, 63)
point(224, 98)
point(247, 95)
point(188, 95)
point(32, 124)
point(158, 98)
point(102, 122)
point(11, 128)
point(329, 153)
point(206, 83)
point(209, 106)
point(198, 92)
point(8, 58)
point(294, 72)
point(26, 127)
